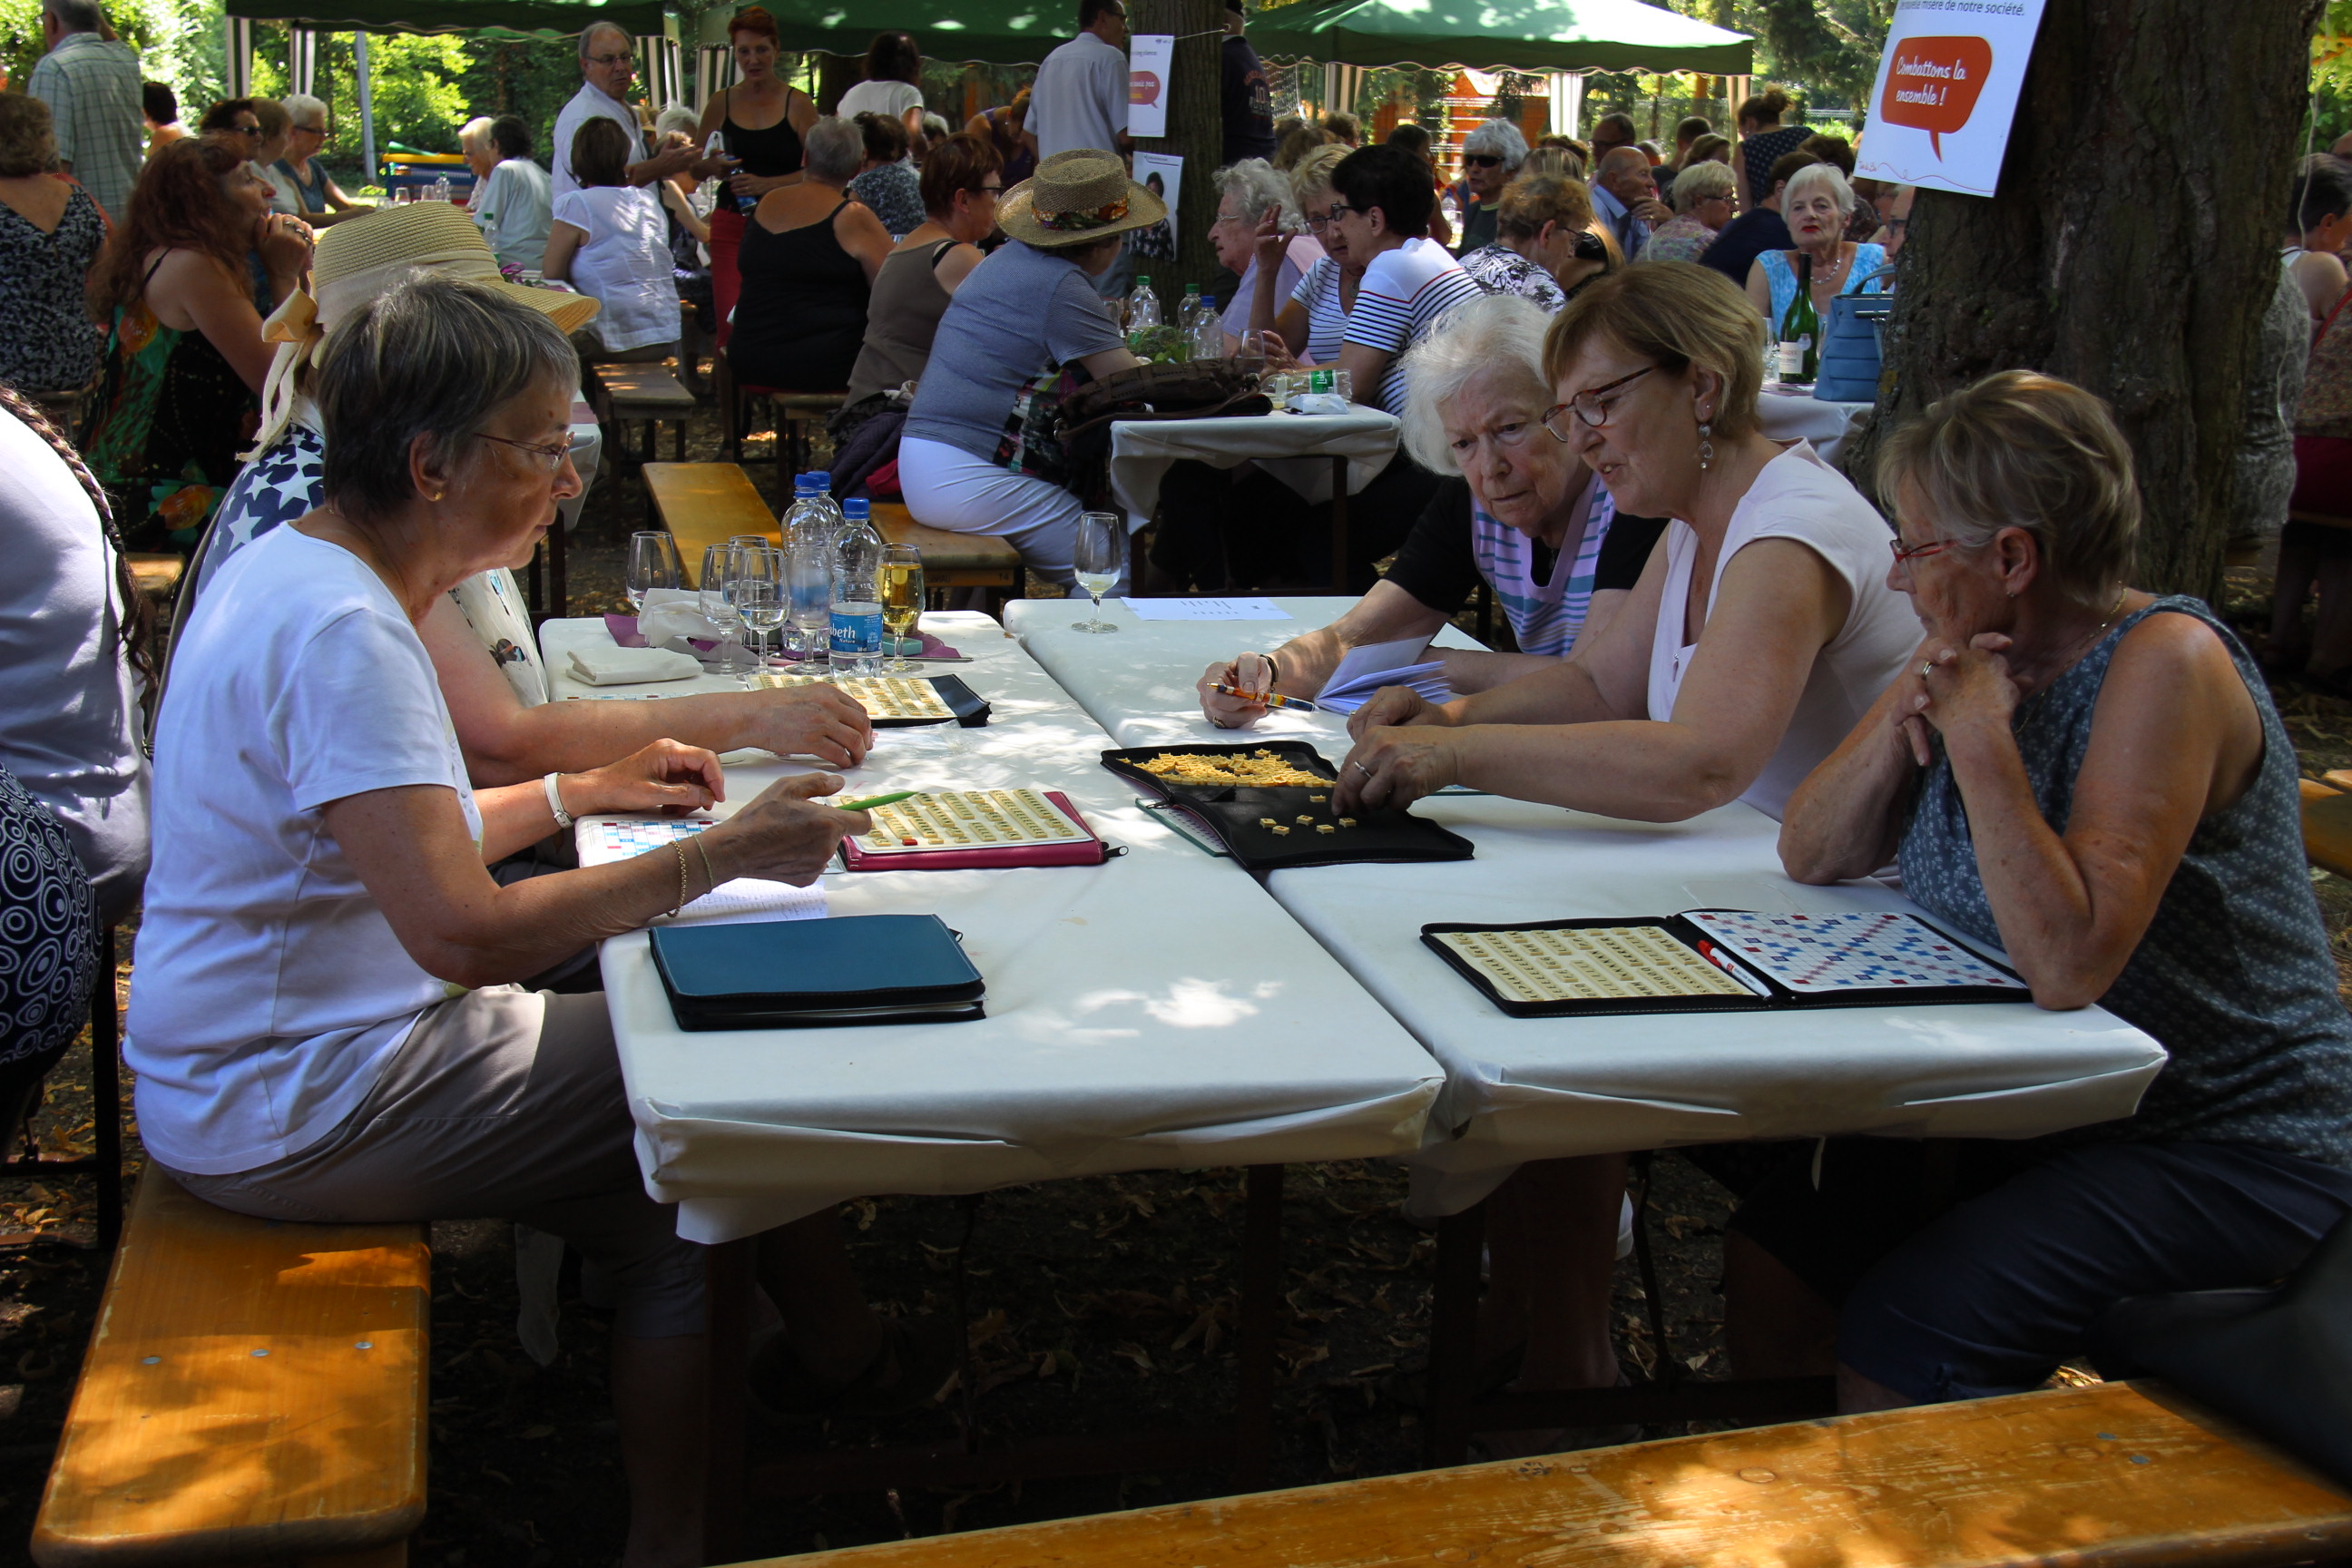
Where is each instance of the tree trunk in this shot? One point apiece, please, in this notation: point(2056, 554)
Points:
point(1195, 128)
point(2133, 249)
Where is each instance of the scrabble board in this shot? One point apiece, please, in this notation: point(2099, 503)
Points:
point(606, 839)
point(882, 696)
point(1823, 954)
point(969, 819)
point(1590, 964)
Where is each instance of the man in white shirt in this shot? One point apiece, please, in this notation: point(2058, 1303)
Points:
point(608, 66)
point(1081, 93)
point(512, 202)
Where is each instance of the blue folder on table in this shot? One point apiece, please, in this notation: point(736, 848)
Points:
point(802, 974)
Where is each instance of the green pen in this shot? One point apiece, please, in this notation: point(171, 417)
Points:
point(871, 801)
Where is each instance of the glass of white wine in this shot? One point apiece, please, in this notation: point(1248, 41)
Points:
point(1099, 555)
point(902, 603)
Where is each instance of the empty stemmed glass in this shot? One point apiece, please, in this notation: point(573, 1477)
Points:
point(755, 582)
point(1099, 555)
point(653, 563)
point(710, 590)
point(1251, 359)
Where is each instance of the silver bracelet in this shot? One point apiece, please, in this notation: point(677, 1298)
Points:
point(555, 800)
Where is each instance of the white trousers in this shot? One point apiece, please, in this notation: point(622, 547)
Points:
point(949, 488)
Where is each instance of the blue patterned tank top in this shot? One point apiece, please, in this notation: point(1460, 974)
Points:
point(2233, 978)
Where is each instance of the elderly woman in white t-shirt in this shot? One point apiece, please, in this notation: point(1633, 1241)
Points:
point(326, 1026)
point(1760, 631)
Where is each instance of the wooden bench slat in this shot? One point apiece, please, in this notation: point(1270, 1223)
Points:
point(2117, 1474)
point(2327, 827)
point(703, 504)
point(943, 551)
point(185, 1446)
point(644, 391)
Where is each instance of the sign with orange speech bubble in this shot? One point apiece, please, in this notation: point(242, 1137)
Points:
point(1150, 61)
point(1946, 92)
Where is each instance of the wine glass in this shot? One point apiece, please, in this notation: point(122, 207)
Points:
point(1251, 359)
point(653, 563)
point(711, 591)
point(902, 602)
point(756, 585)
point(1099, 554)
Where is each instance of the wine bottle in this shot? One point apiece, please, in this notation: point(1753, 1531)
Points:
point(1801, 330)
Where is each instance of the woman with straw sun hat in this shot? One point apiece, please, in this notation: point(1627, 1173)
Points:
point(1030, 307)
point(479, 634)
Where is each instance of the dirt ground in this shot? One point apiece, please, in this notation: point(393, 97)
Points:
point(1094, 1305)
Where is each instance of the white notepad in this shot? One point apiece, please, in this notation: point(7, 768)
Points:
point(604, 839)
point(1367, 668)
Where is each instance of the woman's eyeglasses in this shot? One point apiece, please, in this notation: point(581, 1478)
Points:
point(1588, 407)
point(1907, 553)
point(551, 456)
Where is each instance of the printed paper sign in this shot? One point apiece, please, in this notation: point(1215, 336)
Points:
point(1946, 92)
point(1162, 174)
point(1150, 60)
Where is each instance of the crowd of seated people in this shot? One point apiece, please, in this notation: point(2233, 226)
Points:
point(356, 750)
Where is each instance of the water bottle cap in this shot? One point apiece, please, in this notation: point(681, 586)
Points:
point(821, 477)
point(855, 508)
point(1143, 279)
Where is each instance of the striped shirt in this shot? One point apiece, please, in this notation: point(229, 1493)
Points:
point(1326, 319)
point(1545, 616)
point(91, 87)
point(1403, 294)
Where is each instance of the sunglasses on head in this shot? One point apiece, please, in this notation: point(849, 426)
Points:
point(1483, 160)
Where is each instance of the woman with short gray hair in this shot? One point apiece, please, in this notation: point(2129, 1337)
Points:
point(1703, 196)
point(1816, 203)
point(1491, 156)
point(310, 192)
point(1519, 513)
point(2094, 779)
point(1248, 193)
point(327, 1025)
point(809, 254)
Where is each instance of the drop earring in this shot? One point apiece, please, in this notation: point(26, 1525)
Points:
point(1706, 444)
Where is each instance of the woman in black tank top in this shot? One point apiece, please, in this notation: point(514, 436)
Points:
point(809, 254)
point(759, 121)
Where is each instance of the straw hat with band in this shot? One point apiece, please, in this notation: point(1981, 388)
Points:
point(360, 259)
point(1078, 197)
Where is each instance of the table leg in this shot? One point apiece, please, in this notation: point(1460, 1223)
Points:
point(1453, 1337)
point(1254, 1334)
point(1339, 525)
point(726, 1273)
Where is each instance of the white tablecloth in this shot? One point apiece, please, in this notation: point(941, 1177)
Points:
point(1295, 448)
point(1826, 425)
point(1156, 1011)
point(587, 452)
point(1518, 1089)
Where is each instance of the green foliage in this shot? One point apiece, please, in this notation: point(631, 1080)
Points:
point(2331, 50)
point(179, 42)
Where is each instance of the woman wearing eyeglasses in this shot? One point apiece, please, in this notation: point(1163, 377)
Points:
point(330, 1023)
point(1759, 633)
point(1761, 629)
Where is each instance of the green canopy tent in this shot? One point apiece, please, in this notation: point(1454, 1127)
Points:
point(1498, 35)
point(979, 32)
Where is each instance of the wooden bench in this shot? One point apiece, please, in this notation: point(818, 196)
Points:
point(643, 394)
point(253, 1392)
point(2327, 827)
point(954, 560)
point(796, 412)
point(703, 504)
point(2116, 1474)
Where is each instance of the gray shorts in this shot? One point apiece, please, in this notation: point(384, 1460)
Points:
point(505, 1103)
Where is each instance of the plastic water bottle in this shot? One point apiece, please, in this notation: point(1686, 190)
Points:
point(823, 481)
point(1142, 313)
point(1208, 333)
point(1452, 210)
point(857, 593)
point(808, 563)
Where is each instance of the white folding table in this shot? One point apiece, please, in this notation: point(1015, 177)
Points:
point(1152, 1013)
point(1519, 1090)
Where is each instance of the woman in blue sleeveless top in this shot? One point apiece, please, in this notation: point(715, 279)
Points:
point(2094, 779)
